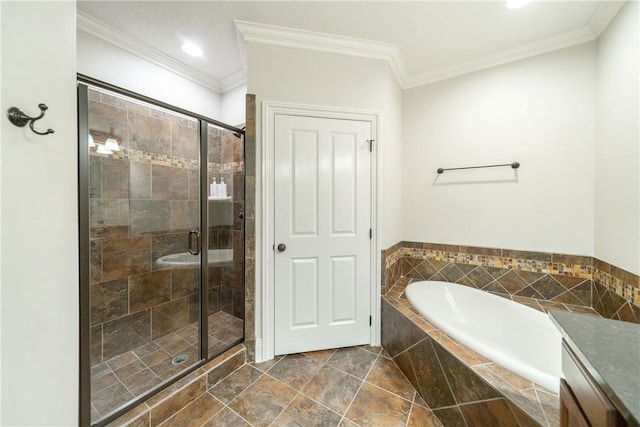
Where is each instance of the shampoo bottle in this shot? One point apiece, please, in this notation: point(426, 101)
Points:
point(223, 188)
point(212, 188)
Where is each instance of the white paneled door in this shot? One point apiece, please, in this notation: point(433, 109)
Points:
point(322, 224)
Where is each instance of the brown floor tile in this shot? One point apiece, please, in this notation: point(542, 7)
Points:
point(333, 388)
point(321, 355)
point(353, 361)
point(371, 349)
point(103, 382)
point(139, 378)
point(303, 411)
point(146, 386)
point(295, 370)
point(146, 349)
point(422, 417)
point(130, 369)
point(263, 401)
point(226, 417)
point(373, 406)
point(108, 399)
point(346, 423)
point(121, 360)
point(386, 375)
point(168, 340)
point(99, 370)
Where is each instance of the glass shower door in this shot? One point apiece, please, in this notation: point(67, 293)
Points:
point(162, 250)
point(225, 227)
point(144, 221)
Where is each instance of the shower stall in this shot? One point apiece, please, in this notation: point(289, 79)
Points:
point(161, 245)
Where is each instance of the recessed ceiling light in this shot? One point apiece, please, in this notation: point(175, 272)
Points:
point(191, 49)
point(517, 4)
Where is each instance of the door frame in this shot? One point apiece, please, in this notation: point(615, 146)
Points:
point(264, 349)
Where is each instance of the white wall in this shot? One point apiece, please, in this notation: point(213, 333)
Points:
point(109, 63)
point(233, 106)
point(617, 191)
point(39, 217)
point(307, 77)
point(539, 112)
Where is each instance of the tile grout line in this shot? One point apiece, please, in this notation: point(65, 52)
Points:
point(344, 416)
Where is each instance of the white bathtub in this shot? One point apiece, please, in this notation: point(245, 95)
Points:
point(513, 335)
point(185, 259)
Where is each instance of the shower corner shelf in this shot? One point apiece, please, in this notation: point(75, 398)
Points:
point(220, 199)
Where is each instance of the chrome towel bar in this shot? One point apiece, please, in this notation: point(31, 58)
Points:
point(514, 165)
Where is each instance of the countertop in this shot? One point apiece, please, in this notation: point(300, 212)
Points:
point(610, 351)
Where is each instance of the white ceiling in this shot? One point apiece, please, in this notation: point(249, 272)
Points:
point(424, 40)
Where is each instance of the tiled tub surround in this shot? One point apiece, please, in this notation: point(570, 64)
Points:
point(567, 280)
point(143, 201)
point(461, 387)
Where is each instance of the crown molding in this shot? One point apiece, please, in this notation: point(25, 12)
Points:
point(550, 44)
point(302, 39)
point(603, 15)
point(322, 42)
point(100, 29)
point(233, 81)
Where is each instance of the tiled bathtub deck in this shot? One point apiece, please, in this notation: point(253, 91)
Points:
point(539, 403)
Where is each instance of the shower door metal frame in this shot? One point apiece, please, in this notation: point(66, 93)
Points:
point(84, 407)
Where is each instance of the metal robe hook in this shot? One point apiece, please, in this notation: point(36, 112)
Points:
point(20, 118)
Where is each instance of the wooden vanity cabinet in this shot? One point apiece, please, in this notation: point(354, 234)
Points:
point(582, 401)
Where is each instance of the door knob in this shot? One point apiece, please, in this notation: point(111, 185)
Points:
point(282, 247)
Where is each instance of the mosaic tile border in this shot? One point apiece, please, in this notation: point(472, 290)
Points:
point(167, 160)
point(614, 280)
point(150, 158)
point(516, 260)
point(215, 168)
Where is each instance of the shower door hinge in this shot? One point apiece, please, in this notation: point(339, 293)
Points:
point(371, 141)
point(370, 321)
point(370, 233)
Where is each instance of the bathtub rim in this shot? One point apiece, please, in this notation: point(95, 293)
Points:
point(165, 261)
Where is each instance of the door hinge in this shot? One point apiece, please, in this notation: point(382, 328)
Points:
point(370, 321)
point(371, 233)
point(371, 141)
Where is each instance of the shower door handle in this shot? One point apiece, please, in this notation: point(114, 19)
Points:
point(194, 242)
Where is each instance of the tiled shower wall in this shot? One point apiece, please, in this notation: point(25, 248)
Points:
point(566, 279)
point(226, 220)
point(143, 201)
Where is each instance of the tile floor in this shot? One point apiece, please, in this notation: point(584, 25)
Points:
point(120, 379)
point(348, 387)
